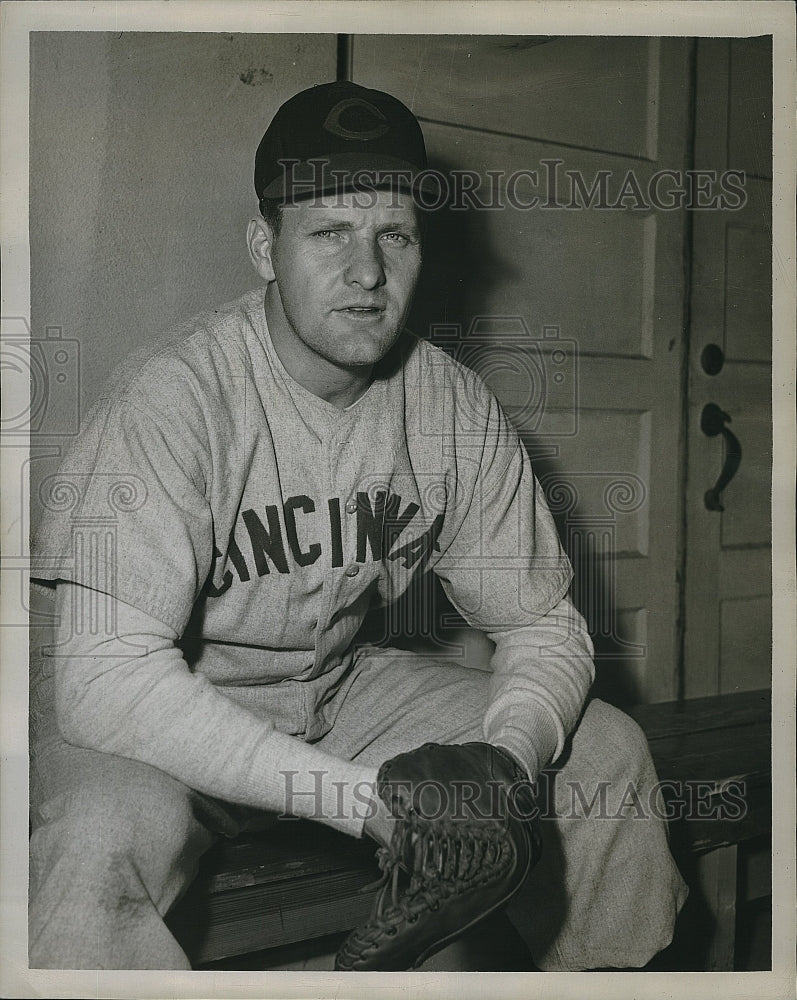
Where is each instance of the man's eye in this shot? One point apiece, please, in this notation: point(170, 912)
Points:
point(325, 234)
point(399, 239)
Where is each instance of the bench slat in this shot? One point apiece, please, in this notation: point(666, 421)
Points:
point(291, 850)
point(703, 714)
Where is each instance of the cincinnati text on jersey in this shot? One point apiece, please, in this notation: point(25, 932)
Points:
point(272, 536)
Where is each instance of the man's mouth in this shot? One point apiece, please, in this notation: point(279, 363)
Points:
point(360, 311)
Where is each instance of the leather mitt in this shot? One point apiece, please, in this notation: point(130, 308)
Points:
point(466, 837)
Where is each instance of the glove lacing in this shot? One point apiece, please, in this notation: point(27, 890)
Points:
point(443, 858)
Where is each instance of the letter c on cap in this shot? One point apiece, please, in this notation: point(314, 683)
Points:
point(332, 122)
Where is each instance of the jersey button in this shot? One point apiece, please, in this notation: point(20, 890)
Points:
point(351, 506)
point(352, 571)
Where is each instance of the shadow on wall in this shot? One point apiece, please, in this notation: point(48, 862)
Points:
point(461, 266)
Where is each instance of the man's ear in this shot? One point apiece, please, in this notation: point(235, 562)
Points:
point(260, 240)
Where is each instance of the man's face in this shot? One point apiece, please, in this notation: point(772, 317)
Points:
point(344, 277)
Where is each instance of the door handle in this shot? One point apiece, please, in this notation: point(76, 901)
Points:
point(712, 423)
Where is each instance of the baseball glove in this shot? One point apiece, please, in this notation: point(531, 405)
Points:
point(466, 836)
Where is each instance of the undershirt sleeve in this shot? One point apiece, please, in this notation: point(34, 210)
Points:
point(132, 694)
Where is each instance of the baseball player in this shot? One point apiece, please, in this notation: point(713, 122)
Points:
point(236, 502)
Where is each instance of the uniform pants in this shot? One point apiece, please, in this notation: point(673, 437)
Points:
point(116, 842)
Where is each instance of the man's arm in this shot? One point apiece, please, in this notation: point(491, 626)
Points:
point(506, 573)
point(132, 694)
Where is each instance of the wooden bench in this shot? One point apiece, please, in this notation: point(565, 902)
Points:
point(302, 881)
point(722, 743)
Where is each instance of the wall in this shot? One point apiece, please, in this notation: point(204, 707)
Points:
point(142, 150)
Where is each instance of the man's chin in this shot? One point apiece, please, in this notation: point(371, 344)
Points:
point(365, 352)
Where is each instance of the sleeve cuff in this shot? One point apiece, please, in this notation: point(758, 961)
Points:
point(302, 781)
point(527, 731)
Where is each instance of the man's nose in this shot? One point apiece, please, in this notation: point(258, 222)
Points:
point(364, 266)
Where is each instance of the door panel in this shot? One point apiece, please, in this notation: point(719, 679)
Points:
point(749, 62)
point(589, 93)
point(745, 630)
point(547, 264)
point(748, 283)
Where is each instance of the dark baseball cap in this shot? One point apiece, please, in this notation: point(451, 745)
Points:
point(338, 135)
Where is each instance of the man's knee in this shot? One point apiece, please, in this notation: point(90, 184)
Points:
point(617, 743)
point(126, 795)
point(118, 838)
point(628, 735)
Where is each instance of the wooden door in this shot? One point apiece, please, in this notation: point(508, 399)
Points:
point(574, 314)
point(728, 553)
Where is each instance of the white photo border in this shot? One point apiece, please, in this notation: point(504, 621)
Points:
point(692, 18)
